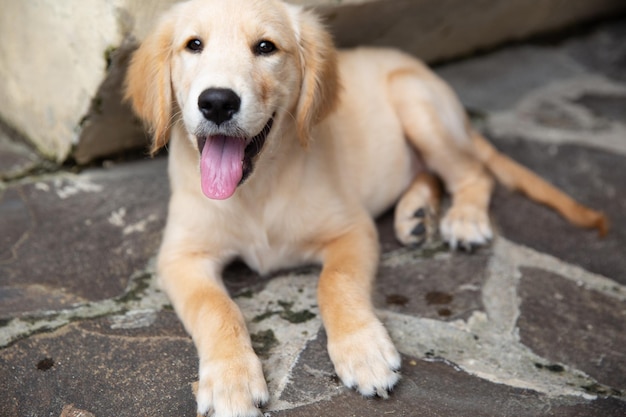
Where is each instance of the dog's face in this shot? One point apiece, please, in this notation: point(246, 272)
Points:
point(230, 71)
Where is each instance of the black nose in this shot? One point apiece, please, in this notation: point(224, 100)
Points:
point(219, 104)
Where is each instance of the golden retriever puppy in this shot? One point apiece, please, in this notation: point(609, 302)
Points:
point(282, 151)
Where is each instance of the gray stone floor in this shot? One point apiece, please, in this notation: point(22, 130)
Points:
point(533, 325)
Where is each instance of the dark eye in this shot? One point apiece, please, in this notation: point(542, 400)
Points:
point(264, 48)
point(194, 45)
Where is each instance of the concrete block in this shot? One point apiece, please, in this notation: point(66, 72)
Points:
point(64, 61)
point(56, 63)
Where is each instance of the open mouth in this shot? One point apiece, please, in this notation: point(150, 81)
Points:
point(226, 161)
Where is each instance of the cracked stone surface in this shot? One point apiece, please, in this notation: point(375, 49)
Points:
point(531, 325)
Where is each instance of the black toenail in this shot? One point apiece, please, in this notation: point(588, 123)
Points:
point(419, 230)
point(420, 213)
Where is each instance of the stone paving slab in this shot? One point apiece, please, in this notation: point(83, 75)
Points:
point(410, 287)
point(531, 325)
point(104, 371)
point(583, 329)
point(430, 387)
point(69, 238)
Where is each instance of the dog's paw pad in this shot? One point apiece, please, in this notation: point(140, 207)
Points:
point(232, 387)
point(466, 227)
point(366, 360)
point(416, 227)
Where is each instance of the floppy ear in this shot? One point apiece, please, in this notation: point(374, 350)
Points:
point(320, 81)
point(148, 82)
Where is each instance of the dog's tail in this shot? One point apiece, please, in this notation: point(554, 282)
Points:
point(516, 177)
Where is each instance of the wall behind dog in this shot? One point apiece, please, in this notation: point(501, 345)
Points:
point(62, 62)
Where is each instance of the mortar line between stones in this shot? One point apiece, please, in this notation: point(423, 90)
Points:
point(528, 257)
point(135, 296)
point(491, 348)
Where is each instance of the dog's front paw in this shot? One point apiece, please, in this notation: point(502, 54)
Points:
point(366, 360)
point(232, 387)
point(466, 226)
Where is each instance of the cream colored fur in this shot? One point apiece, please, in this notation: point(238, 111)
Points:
point(354, 131)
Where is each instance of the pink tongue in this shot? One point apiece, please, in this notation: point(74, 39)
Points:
point(221, 166)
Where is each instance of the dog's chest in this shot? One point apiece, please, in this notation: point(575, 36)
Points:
point(265, 256)
point(282, 231)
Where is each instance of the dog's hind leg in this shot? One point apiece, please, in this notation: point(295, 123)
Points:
point(435, 124)
point(416, 214)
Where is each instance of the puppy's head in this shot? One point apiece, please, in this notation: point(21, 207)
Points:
point(230, 72)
